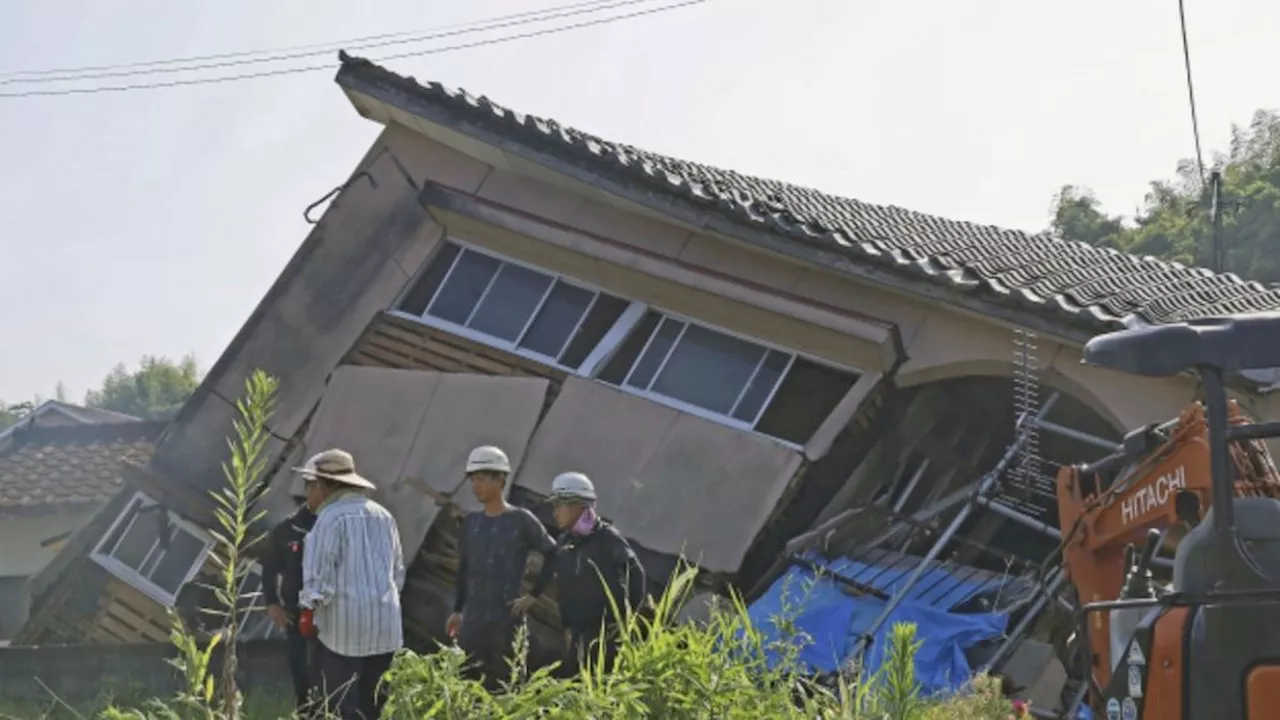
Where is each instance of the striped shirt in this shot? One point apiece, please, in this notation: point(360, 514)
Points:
point(352, 575)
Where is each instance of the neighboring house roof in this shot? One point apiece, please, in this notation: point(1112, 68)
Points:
point(67, 468)
point(53, 413)
point(1071, 281)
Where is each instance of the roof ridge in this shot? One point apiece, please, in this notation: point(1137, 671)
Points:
point(88, 433)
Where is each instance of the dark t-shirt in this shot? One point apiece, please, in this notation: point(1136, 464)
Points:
point(282, 565)
point(494, 552)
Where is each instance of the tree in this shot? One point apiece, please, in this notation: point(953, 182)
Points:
point(155, 391)
point(10, 414)
point(1174, 223)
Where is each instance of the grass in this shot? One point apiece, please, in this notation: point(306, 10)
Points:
point(256, 707)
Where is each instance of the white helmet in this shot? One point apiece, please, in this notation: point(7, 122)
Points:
point(572, 486)
point(488, 458)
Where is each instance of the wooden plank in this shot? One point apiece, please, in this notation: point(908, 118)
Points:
point(119, 628)
point(146, 616)
point(395, 342)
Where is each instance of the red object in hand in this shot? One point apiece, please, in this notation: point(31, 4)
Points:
point(306, 623)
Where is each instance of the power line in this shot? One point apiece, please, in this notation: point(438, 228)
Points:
point(245, 53)
point(1191, 89)
point(315, 68)
point(36, 77)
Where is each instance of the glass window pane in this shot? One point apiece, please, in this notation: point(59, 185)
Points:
point(184, 549)
point(804, 399)
point(761, 385)
point(651, 360)
point(557, 319)
point(510, 302)
point(708, 369)
point(615, 371)
point(604, 314)
point(415, 303)
point(137, 540)
point(461, 292)
point(119, 529)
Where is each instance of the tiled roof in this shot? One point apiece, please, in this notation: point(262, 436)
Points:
point(1086, 286)
point(69, 467)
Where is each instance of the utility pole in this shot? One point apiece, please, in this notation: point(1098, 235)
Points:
point(1219, 253)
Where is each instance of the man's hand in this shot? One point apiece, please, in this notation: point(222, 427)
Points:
point(453, 624)
point(521, 605)
point(306, 623)
point(279, 616)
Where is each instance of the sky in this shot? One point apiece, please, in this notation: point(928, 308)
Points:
point(152, 222)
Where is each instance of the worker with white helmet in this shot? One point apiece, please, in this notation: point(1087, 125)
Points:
point(595, 567)
point(494, 550)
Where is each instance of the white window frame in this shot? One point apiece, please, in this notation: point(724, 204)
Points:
point(491, 340)
point(612, 340)
point(136, 579)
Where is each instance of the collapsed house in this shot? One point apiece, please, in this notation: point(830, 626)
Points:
point(756, 374)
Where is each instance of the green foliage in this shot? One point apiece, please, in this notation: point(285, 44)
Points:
point(696, 671)
point(1174, 222)
point(155, 391)
point(10, 414)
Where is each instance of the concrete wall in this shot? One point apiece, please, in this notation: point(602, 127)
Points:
point(673, 482)
point(87, 672)
point(21, 556)
point(21, 553)
point(356, 261)
point(14, 605)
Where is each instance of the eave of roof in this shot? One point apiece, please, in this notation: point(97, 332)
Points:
point(1079, 289)
point(83, 415)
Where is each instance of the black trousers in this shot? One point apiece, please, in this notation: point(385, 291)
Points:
point(490, 649)
point(348, 686)
point(300, 667)
point(584, 647)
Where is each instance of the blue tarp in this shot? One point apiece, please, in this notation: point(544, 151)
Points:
point(833, 620)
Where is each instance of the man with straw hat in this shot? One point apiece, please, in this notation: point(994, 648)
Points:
point(353, 572)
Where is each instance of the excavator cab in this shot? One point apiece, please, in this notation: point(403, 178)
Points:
point(1209, 648)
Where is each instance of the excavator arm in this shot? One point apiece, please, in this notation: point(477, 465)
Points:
point(1159, 480)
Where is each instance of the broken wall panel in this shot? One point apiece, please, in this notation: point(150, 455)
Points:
point(410, 432)
point(673, 482)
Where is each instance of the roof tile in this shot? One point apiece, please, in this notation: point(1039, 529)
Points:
point(48, 468)
point(1098, 287)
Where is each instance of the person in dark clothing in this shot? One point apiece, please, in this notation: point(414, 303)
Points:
point(281, 583)
point(595, 569)
point(494, 550)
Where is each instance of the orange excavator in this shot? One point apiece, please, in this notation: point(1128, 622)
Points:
point(1159, 479)
point(1207, 645)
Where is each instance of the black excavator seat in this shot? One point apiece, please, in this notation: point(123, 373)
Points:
point(1236, 342)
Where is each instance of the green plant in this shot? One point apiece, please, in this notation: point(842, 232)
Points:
point(697, 671)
